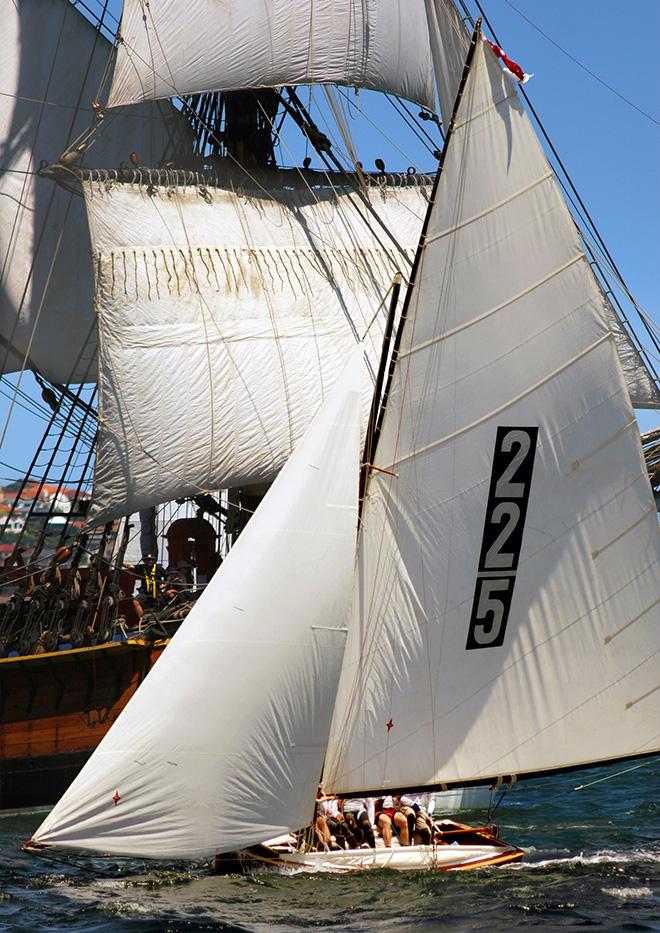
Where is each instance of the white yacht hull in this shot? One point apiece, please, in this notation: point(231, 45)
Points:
point(457, 848)
point(402, 858)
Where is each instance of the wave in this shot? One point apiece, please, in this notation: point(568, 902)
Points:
point(601, 857)
point(627, 894)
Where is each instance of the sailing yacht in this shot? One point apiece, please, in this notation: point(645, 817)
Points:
point(468, 594)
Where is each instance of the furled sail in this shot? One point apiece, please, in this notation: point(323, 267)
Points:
point(51, 63)
point(509, 561)
point(235, 44)
point(224, 318)
point(170, 779)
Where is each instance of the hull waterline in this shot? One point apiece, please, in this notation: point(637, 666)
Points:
point(404, 858)
point(457, 848)
point(54, 710)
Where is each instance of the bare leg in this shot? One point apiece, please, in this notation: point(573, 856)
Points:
point(322, 832)
point(367, 831)
point(401, 825)
point(385, 827)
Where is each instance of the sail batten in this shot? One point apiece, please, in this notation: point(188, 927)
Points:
point(515, 530)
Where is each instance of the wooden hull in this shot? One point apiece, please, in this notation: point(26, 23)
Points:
point(55, 709)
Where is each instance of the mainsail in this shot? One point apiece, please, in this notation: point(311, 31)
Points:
point(223, 744)
point(509, 557)
point(51, 64)
point(239, 44)
point(225, 316)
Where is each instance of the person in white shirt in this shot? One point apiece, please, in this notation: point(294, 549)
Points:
point(418, 810)
point(330, 822)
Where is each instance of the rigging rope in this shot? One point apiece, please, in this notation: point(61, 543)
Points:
point(569, 181)
point(581, 65)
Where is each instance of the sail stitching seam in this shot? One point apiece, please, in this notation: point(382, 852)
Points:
point(608, 440)
point(476, 320)
point(482, 113)
point(608, 638)
point(642, 697)
point(521, 658)
point(650, 511)
point(503, 407)
point(489, 210)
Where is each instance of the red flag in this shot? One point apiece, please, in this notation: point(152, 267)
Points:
point(512, 68)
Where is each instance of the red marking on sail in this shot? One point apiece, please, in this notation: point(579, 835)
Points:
point(389, 725)
point(513, 68)
point(116, 797)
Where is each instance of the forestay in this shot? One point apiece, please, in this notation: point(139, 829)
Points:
point(509, 561)
point(51, 62)
point(222, 746)
point(169, 49)
point(225, 317)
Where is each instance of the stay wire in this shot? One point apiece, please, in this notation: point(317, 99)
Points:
point(408, 121)
point(607, 777)
point(581, 65)
point(590, 222)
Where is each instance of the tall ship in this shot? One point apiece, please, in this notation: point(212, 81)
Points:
point(192, 249)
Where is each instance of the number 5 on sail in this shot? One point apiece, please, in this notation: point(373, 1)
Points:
point(508, 495)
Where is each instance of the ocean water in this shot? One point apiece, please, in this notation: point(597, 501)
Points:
point(592, 861)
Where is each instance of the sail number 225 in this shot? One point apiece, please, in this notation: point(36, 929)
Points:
point(513, 462)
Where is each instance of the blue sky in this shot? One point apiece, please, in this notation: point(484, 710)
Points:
point(611, 150)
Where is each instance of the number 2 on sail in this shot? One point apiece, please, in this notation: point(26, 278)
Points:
point(513, 462)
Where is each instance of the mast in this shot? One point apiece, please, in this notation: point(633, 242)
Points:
point(376, 422)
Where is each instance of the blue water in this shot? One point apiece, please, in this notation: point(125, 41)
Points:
point(592, 861)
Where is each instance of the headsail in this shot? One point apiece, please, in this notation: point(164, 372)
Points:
point(223, 744)
point(252, 44)
point(509, 561)
point(51, 62)
point(225, 317)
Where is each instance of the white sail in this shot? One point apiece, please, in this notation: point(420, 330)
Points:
point(238, 44)
point(488, 641)
point(224, 319)
point(222, 746)
point(642, 388)
point(449, 40)
point(51, 62)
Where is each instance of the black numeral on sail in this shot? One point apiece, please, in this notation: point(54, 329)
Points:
point(513, 462)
